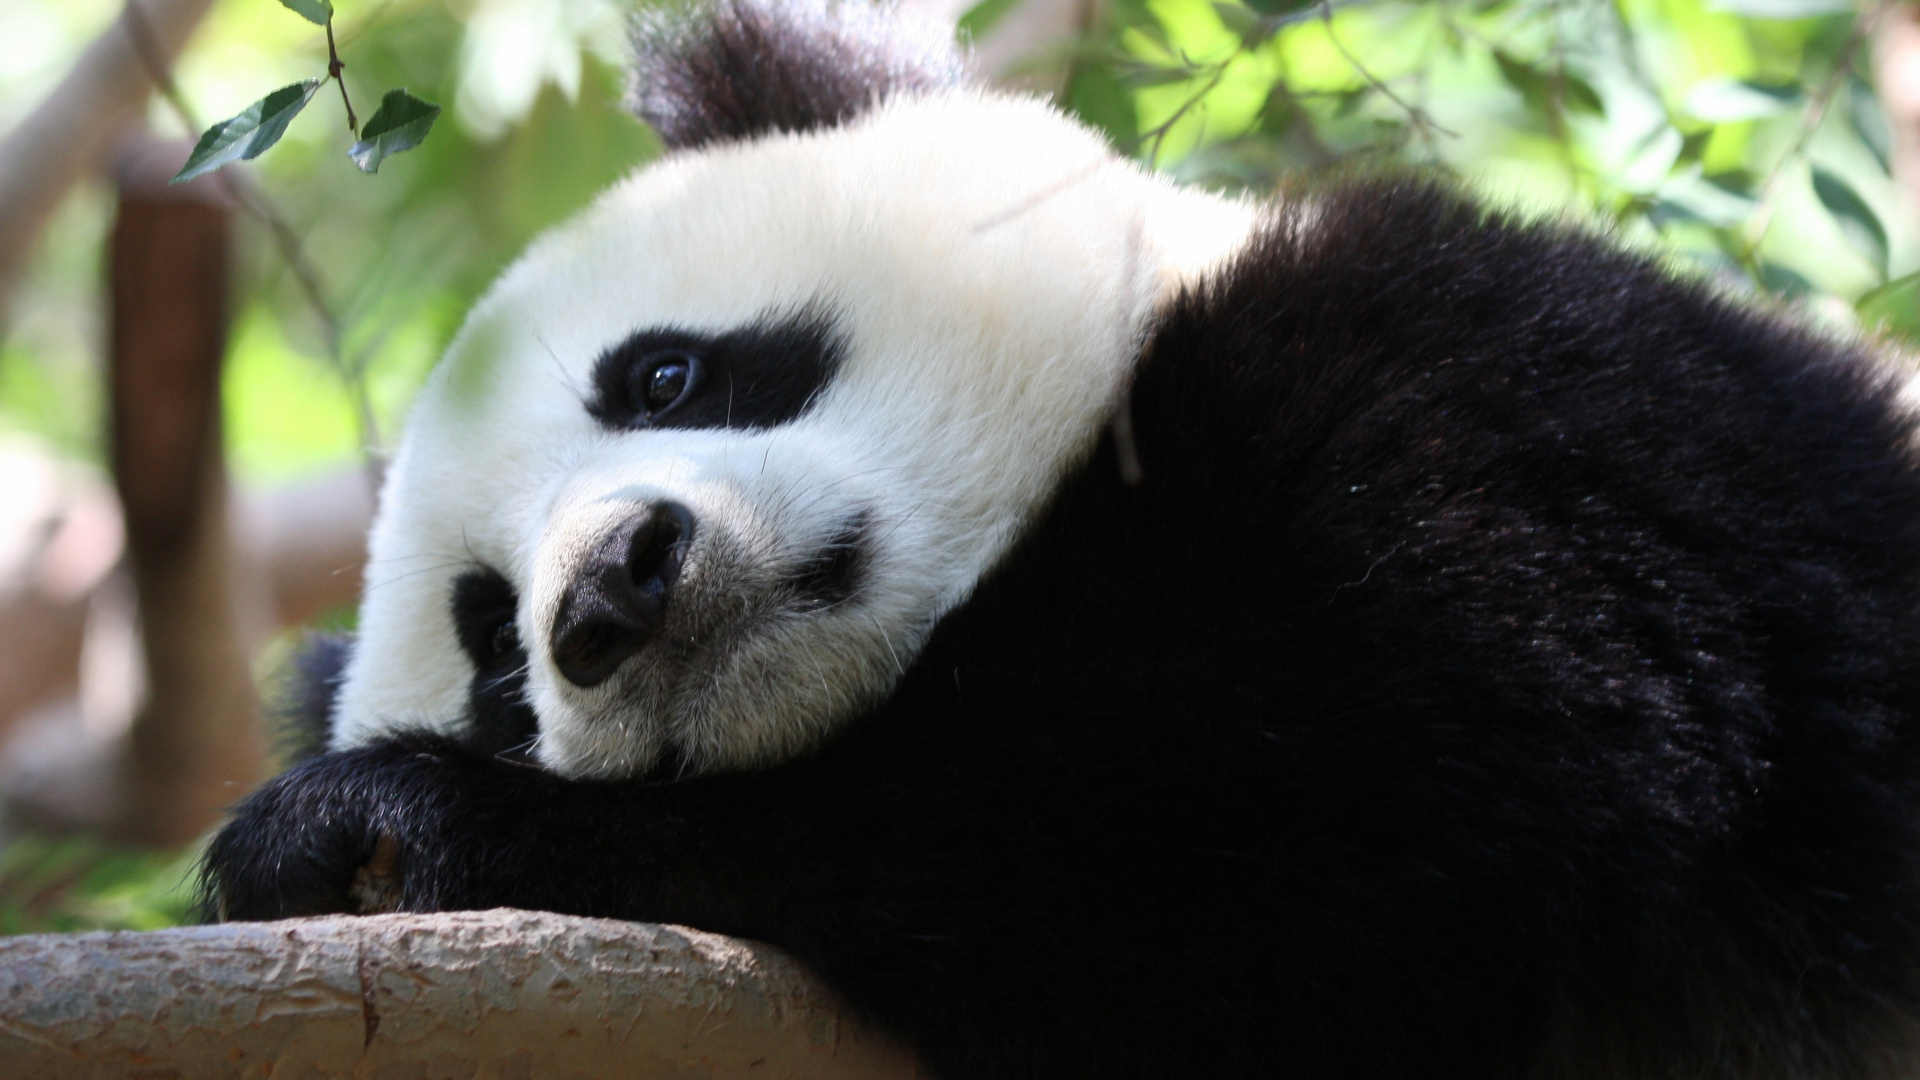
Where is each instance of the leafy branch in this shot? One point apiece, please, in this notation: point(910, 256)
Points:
point(1256, 23)
point(399, 124)
point(1839, 199)
point(255, 202)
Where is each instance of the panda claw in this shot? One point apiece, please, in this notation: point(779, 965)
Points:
point(376, 888)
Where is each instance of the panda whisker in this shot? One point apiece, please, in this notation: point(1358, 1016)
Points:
point(372, 586)
point(415, 555)
point(899, 668)
point(582, 394)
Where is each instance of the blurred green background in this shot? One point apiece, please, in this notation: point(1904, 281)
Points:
point(1742, 137)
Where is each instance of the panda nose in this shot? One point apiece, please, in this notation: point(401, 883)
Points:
point(618, 601)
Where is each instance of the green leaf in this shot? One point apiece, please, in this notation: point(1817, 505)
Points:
point(1538, 88)
point(399, 124)
point(1580, 95)
point(1725, 101)
point(1869, 123)
point(1784, 281)
point(1523, 77)
point(1279, 7)
point(317, 12)
point(983, 17)
point(1139, 76)
point(1242, 20)
point(1665, 212)
point(249, 134)
point(1692, 146)
point(1894, 309)
point(1855, 218)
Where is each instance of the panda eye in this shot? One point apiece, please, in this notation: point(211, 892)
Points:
point(658, 381)
point(503, 641)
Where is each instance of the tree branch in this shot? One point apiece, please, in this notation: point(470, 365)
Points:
point(71, 132)
point(483, 994)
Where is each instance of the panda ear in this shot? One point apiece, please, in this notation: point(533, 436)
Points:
point(735, 69)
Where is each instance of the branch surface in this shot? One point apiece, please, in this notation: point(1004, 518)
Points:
point(472, 994)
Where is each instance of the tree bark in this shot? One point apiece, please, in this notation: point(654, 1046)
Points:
point(469, 994)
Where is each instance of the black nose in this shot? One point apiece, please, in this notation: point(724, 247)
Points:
point(619, 600)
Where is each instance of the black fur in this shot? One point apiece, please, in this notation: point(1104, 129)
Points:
point(1505, 669)
point(739, 69)
point(300, 700)
point(760, 375)
point(501, 721)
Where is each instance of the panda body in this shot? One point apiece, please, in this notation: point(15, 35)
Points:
point(1113, 631)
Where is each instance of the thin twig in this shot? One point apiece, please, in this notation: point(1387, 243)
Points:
point(255, 201)
point(1158, 133)
point(1214, 73)
point(334, 67)
point(1423, 122)
point(1319, 153)
point(1810, 120)
point(151, 58)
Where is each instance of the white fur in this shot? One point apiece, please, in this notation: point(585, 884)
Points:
point(992, 268)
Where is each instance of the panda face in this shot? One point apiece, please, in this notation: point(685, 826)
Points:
point(705, 467)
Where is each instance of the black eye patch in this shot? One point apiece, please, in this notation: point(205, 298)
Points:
point(760, 375)
point(483, 607)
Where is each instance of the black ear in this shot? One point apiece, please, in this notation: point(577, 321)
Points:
point(734, 69)
point(300, 705)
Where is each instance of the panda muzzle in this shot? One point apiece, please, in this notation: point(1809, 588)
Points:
point(617, 602)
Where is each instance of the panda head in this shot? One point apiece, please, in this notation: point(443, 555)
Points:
point(704, 468)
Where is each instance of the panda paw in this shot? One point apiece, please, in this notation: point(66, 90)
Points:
point(331, 836)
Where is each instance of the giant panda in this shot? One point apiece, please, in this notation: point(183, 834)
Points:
point(1112, 630)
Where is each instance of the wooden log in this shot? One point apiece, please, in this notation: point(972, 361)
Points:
point(478, 995)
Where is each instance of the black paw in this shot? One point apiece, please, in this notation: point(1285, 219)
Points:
point(331, 835)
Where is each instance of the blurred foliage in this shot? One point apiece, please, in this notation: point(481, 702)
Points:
point(1741, 135)
point(76, 883)
point(401, 256)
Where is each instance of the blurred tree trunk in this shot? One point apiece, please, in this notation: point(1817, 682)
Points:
point(197, 743)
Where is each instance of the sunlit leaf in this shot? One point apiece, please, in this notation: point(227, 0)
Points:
point(1580, 95)
point(1783, 9)
point(1869, 123)
point(1665, 212)
point(1784, 281)
point(317, 12)
point(1151, 29)
point(1142, 75)
point(1692, 146)
point(248, 135)
point(1856, 219)
point(1542, 90)
point(1894, 308)
point(1242, 20)
point(1708, 202)
point(400, 124)
point(1523, 77)
point(1726, 101)
point(1739, 182)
